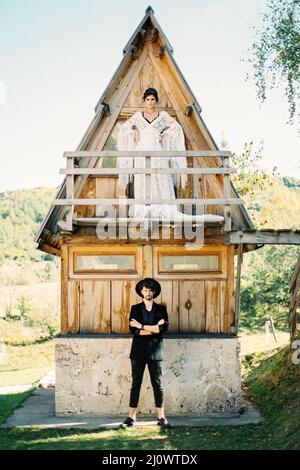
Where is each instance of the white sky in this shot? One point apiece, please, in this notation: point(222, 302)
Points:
point(57, 57)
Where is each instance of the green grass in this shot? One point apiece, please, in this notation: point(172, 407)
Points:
point(9, 402)
point(24, 365)
point(149, 438)
point(272, 381)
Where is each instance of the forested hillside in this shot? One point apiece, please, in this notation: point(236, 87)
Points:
point(21, 213)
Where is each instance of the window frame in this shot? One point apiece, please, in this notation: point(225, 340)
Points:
point(189, 271)
point(75, 273)
point(220, 273)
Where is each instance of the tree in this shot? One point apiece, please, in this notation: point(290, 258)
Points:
point(275, 53)
point(250, 178)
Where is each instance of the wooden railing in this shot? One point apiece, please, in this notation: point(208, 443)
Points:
point(71, 172)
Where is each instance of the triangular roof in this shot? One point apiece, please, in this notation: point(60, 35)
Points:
point(102, 109)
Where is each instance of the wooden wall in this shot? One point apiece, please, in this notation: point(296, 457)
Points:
point(100, 302)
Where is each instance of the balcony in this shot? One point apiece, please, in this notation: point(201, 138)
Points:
point(77, 176)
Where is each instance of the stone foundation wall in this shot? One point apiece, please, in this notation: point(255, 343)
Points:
point(201, 376)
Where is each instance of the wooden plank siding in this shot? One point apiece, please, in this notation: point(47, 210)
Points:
point(123, 296)
point(99, 302)
point(169, 296)
point(94, 306)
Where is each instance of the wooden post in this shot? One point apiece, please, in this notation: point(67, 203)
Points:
point(64, 309)
point(68, 224)
point(227, 207)
point(70, 194)
point(238, 285)
point(148, 183)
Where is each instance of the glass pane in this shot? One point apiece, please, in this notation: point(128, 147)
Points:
point(104, 262)
point(190, 263)
point(110, 144)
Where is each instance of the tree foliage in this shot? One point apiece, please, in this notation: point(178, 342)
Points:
point(21, 213)
point(250, 178)
point(275, 53)
point(266, 276)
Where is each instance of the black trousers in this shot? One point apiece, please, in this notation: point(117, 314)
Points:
point(155, 371)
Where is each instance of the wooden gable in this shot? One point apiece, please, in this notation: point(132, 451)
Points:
point(148, 61)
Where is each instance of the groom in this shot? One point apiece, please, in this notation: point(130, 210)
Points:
point(147, 322)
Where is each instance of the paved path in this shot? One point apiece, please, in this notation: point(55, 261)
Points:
point(38, 410)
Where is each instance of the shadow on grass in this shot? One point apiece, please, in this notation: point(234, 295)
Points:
point(148, 438)
point(42, 340)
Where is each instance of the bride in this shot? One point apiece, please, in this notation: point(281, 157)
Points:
point(152, 130)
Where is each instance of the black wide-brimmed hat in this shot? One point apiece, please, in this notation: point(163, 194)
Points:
point(153, 285)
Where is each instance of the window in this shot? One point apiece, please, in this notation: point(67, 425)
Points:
point(105, 263)
point(189, 263)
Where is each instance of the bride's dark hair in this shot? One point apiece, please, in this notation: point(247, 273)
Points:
point(150, 91)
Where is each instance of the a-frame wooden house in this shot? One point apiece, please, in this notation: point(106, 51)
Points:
point(200, 279)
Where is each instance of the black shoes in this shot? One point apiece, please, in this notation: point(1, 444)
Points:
point(164, 423)
point(127, 422)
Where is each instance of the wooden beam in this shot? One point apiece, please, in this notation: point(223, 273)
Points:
point(143, 153)
point(147, 170)
point(127, 111)
point(117, 80)
point(197, 220)
point(68, 224)
point(64, 323)
point(230, 304)
point(49, 249)
point(148, 182)
point(295, 297)
point(227, 192)
point(265, 237)
point(238, 287)
point(125, 201)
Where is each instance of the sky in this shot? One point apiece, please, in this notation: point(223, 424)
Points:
point(57, 57)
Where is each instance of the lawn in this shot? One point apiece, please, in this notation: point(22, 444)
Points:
point(22, 365)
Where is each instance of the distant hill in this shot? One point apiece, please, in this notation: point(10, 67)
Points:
point(21, 213)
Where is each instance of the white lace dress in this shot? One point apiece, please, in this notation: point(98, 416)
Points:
point(162, 185)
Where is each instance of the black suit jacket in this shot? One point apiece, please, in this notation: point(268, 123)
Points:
point(148, 346)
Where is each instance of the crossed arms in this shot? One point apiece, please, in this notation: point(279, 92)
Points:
point(135, 326)
point(148, 329)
